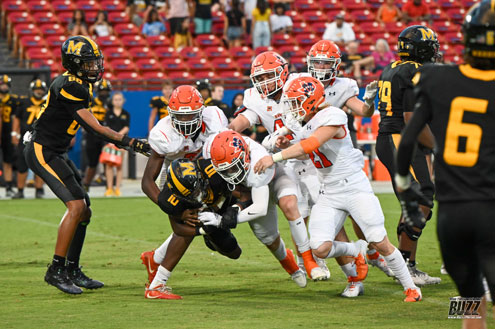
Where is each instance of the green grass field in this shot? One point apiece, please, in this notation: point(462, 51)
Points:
point(252, 292)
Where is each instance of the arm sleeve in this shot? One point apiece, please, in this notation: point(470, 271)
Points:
point(259, 208)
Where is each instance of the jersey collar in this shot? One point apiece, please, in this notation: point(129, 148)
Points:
point(471, 72)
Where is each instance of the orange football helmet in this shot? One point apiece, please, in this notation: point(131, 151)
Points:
point(324, 60)
point(230, 156)
point(186, 110)
point(301, 97)
point(269, 70)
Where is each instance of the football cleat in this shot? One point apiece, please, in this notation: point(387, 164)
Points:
point(9, 192)
point(161, 291)
point(80, 279)
point(421, 278)
point(18, 195)
point(149, 263)
point(312, 268)
point(378, 261)
point(39, 194)
point(443, 270)
point(323, 266)
point(353, 289)
point(299, 277)
point(57, 277)
point(488, 295)
point(413, 295)
point(360, 261)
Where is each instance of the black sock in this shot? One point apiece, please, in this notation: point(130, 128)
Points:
point(8, 184)
point(76, 245)
point(20, 190)
point(405, 254)
point(58, 261)
point(412, 263)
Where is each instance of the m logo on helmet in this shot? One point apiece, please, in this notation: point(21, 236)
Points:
point(74, 48)
point(427, 34)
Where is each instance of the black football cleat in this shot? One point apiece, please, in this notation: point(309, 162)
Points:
point(57, 277)
point(18, 195)
point(81, 280)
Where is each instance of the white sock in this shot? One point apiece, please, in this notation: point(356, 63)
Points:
point(162, 177)
point(300, 234)
point(371, 251)
point(396, 263)
point(300, 260)
point(342, 249)
point(349, 269)
point(162, 276)
point(162, 251)
point(280, 253)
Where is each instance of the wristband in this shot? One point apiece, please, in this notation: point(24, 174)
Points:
point(200, 230)
point(15, 134)
point(277, 157)
point(126, 140)
point(402, 182)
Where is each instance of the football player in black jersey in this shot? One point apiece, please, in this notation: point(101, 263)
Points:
point(67, 107)
point(204, 87)
point(457, 102)
point(191, 186)
point(92, 143)
point(8, 107)
point(159, 104)
point(26, 112)
point(417, 45)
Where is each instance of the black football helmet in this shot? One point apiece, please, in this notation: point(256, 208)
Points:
point(203, 84)
point(5, 80)
point(418, 43)
point(38, 84)
point(478, 29)
point(103, 84)
point(184, 180)
point(82, 57)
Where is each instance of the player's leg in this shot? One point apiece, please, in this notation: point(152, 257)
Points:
point(93, 151)
point(109, 178)
point(22, 171)
point(38, 185)
point(8, 157)
point(223, 241)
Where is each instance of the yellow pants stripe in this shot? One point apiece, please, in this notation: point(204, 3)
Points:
point(396, 140)
point(38, 151)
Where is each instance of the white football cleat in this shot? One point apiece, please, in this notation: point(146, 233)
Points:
point(317, 274)
point(323, 265)
point(488, 295)
point(421, 278)
point(381, 264)
point(353, 289)
point(299, 277)
point(443, 270)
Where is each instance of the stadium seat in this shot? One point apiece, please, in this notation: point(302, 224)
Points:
point(208, 40)
point(133, 41)
point(318, 28)
point(63, 5)
point(20, 17)
point(181, 77)
point(372, 27)
point(205, 75)
point(154, 79)
point(224, 64)
point(313, 16)
point(391, 38)
point(432, 4)
point(453, 37)
point(38, 54)
point(447, 50)
point(354, 4)
point(332, 13)
point(361, 16)
point(113, 6)
point(191, 52)
point(439, 15)
point(198, 64)
point(282, 40)
point(148, 64)
point(166, 52)
point(301, 27)
point(299, 62)
point(65, 17)
point(445, 26)
point(230, 78)
point(141, 52)
point(301, 6)
point(331, 5)
point(115, 52)
point(447, 4)
point(36, 5)
point(91, 16)
point(30, 41)
point(109, 41)
point(9, 6)
point(467, 3)
point(306, 40)
point(374, 4)
point(259, 50)
point(243, 51)
point(214, 52)
point(158, 41)
point(173, 64)
point(125, 29)
point(291, 51)
point(295, 16)
point(45, 17)
point(117, 17)
point(55, 41)
point(122, 64)
point(88, 5)
point(52, 29)
point(244, 64)
point(456, 14)
point(129, 80)
point(395, 27)
point(21, 30)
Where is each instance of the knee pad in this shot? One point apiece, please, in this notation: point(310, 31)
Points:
point(412, 234)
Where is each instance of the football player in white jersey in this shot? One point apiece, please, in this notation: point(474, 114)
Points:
point(345, 188)
point(179, 135)
point(269, 73)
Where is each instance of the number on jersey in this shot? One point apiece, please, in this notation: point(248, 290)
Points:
point(320, 160)
point(279, 124)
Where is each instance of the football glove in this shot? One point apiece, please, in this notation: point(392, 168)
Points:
point(141, 146)
point(210, 218)
point(410, 199)
point(370, 92)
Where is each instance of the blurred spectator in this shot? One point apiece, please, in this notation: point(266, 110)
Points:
point(379, 58)
point(217, 98)
point(234, 25)
point(132, 9)
point(202, 16)
point(388, 13)
point(117, 119)
point(285, 3)
point(249, 6)
point(339, 31)
point(292, 68)
point(261, 24)
point(78, 24)
point(415, 10)
point(178, 17)
point(237, 103)
point(350, 55)
point(159, 104)
point(204, 88)
point(153, 23)
point(101, 27)
point(280, 22)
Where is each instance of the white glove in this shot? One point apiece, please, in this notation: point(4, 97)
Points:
point(370, 92)
point(292, 124)
point(27, 137)
point(210, 218)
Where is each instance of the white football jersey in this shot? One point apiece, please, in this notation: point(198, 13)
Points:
point(167, 142)
point(337, 158)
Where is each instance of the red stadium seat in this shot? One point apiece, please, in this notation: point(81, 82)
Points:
point(232, 78)
point(181, 77)
point(447, 50)
point(354, 4)
point(166, 52)
point(282, 40)
point(313, 16)
point(55, 41)
point(124, 29)
point(173, 64)
point(129, 80)
point(306, 41)
point(456, 14)
point(331, 4)
point(113, 6)
point(444, 27)
point(9, 6)
point(115, 52)
point(372, 27)
point(224, 64)
point(109, 41)
point(141, 52)
point(65, 17)
point(364, 39)
point(37, 5)
point(38, 54)
point(432, 4)
point(306, 5)
point(204, 74)
point(26, 29)
point(52, 29)
point(292, 51)
point(154, 79)
point(208, 40)
point(91, 16)
point(244, 64)
point(198, 64)
point(133, 41)
point(259, 50)
point(63, 5)
point(374, 4)
point(453, 37)
point(395, 27)
point(148, 64)
point(45, 17)
point(20, 17)
point(363, 16)
point(301, 27)
point(468, 3)
point(387, 36)
point(214, 52)
point(299, 62)
point(30, 41)
point(332, 13)
point(439, 15)
point(158, 41)
point(117, 17)
point(122, 64)
point(191, 52)
point(318, 28)
point(243, 51)
point(88, 5)
point(447, 4)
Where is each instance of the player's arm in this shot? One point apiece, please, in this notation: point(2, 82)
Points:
point(16, 130)
point(260, 197)
point(151, 172)
point(240, 123)
point(306, 146)
point(425, 137)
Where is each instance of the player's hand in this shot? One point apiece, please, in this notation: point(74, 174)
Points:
point(410, 199)
point(141, 146)
point(229, 218)
point(190, 217)
point(269, 142)
point(210, 218)
point(263, 164)
point(282, 142)
point(370, 92)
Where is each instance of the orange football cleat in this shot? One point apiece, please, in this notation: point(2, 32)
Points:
point(413, 295)
point(312, 268)
point(361, 268)
point(161, 291)
point(151, 266)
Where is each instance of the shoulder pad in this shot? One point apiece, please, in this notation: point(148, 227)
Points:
point(330, 116)
point(73, 92)
point(215, 119)
point(164, 139)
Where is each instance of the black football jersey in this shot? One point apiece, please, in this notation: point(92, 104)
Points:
point(56, 124)
point(99, 110)
point(27, 111)
point(160, 103)
point(216, 195)
point(8, 107)
point(460, 105)
point(394, 80)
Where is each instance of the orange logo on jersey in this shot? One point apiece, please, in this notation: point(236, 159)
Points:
point(268, 108)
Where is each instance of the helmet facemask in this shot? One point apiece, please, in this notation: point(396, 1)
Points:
point(293, 109)
point(91, 69)
point(323, 68)
point(186, 121)
point(235, 172)
point(264, 79)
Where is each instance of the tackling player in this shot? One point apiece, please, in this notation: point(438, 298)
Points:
point(65, 110)
point(417, 45)
point(26, 112)
point(345, 188)
point(457, 103)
